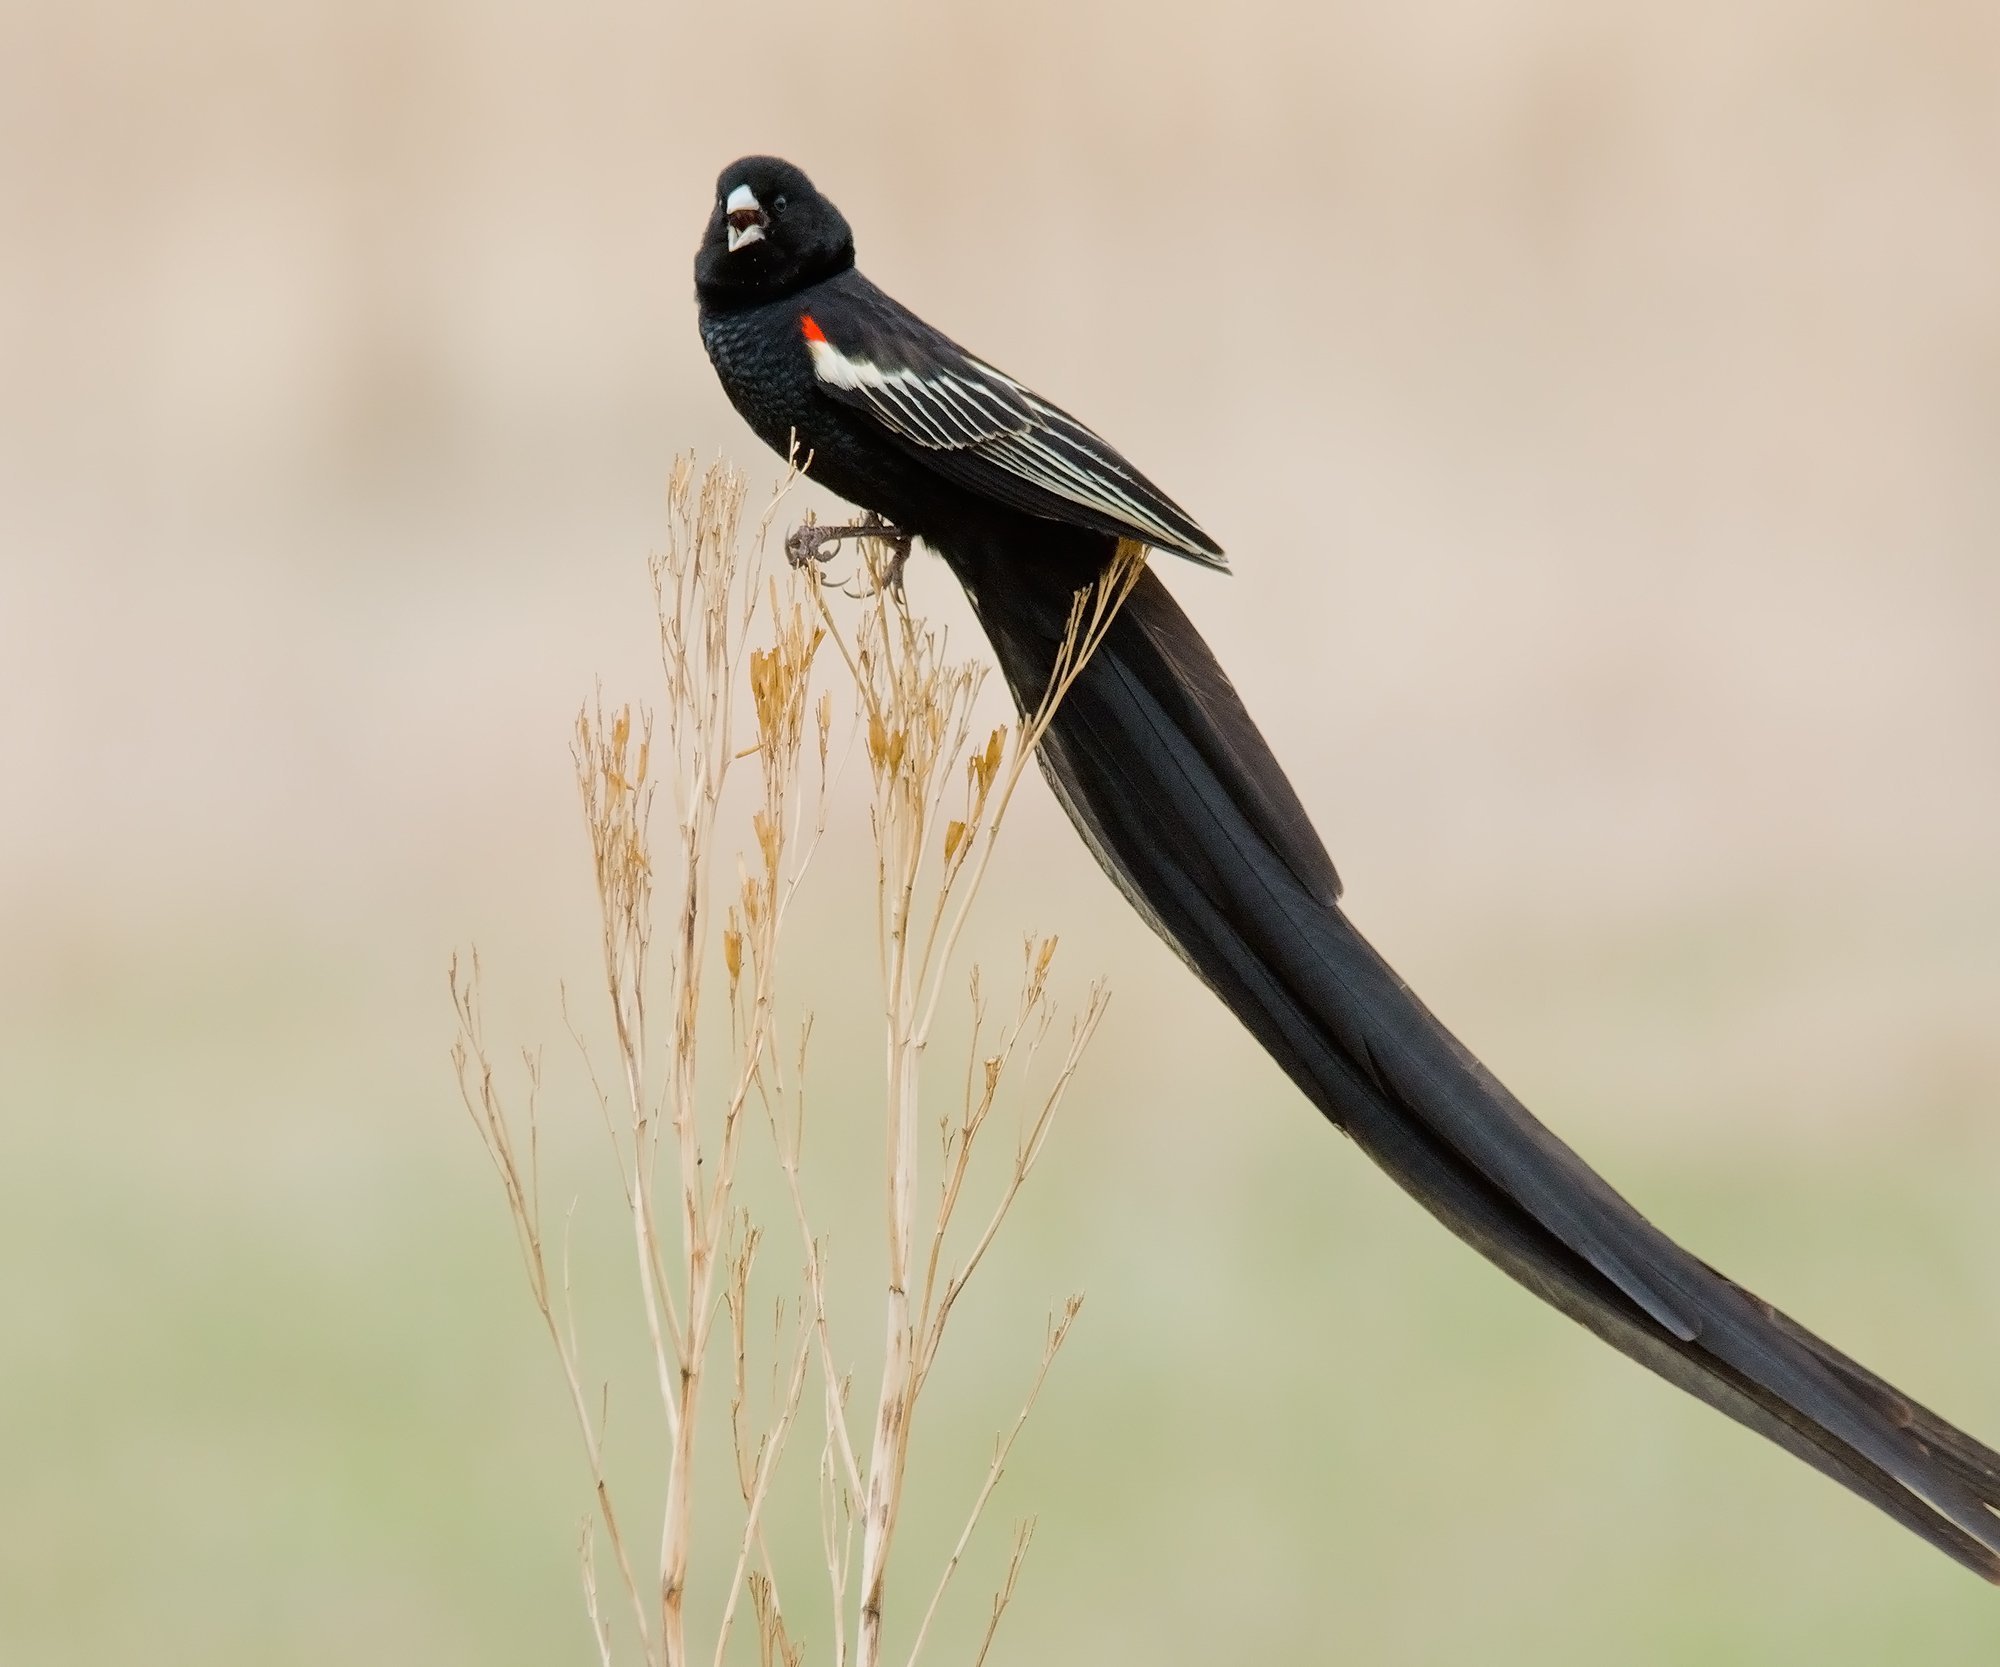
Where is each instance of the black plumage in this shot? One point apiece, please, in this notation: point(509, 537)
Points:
point(1177, 794)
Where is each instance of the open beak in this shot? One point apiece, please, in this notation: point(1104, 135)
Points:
point(746, 218)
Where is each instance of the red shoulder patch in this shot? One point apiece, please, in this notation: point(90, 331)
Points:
point(813, 333)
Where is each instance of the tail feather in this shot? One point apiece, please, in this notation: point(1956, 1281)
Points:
point(1179, 797)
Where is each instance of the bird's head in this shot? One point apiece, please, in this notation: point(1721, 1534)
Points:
point(769, 233)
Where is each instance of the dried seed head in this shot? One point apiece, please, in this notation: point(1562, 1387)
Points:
point(766, 829)
point(988, 764)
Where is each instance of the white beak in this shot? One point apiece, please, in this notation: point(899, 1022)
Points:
point(746, 218)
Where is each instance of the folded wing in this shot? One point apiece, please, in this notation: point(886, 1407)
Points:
point(980, 428)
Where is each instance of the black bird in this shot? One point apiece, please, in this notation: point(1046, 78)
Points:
point(1180, 799)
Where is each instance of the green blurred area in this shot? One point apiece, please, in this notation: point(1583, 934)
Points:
point(276, 1392)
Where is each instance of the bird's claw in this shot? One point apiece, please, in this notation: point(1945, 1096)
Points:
point(814, 543)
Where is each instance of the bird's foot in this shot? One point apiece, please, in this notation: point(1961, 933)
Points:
point(816, 543)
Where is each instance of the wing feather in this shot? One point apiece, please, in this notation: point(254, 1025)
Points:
point(978, 426)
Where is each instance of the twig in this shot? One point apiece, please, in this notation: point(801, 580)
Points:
point(1058, 1333)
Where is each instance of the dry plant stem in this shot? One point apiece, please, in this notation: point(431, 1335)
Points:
point(931, 854)
point(840, 1473)
point(699, 639)
point(600, 1629)
point(919, 713)
point(927, 704)
point(617, 808)
point(707, 598)
point(937, 1303)
point(1090, 618)
point(706, 605)
point(754, 1495)
point(1058, 1334)
point(788, 1140)
point(1022, 1535)
point(522, 1186)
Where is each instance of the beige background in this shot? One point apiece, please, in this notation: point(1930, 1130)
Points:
point(1601, 404)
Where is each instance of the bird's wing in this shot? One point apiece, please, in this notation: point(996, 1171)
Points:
point(979, 427)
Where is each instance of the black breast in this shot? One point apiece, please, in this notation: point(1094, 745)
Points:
point(763, 368)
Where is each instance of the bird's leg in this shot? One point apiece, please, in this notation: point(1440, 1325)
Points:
point(891, 577)
point(816, 543)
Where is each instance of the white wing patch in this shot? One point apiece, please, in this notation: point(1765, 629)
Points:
point(939, 411)
point(973, 407)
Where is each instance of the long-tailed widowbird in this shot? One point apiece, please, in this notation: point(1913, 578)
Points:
point(1179, 798)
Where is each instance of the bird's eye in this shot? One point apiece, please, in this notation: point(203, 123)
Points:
point(778, 203)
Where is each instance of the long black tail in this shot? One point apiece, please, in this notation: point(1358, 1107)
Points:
point(1176, 792)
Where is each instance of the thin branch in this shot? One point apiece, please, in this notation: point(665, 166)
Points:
point(1058, 1333)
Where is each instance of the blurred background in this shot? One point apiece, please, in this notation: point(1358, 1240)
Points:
point(1601, 403)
